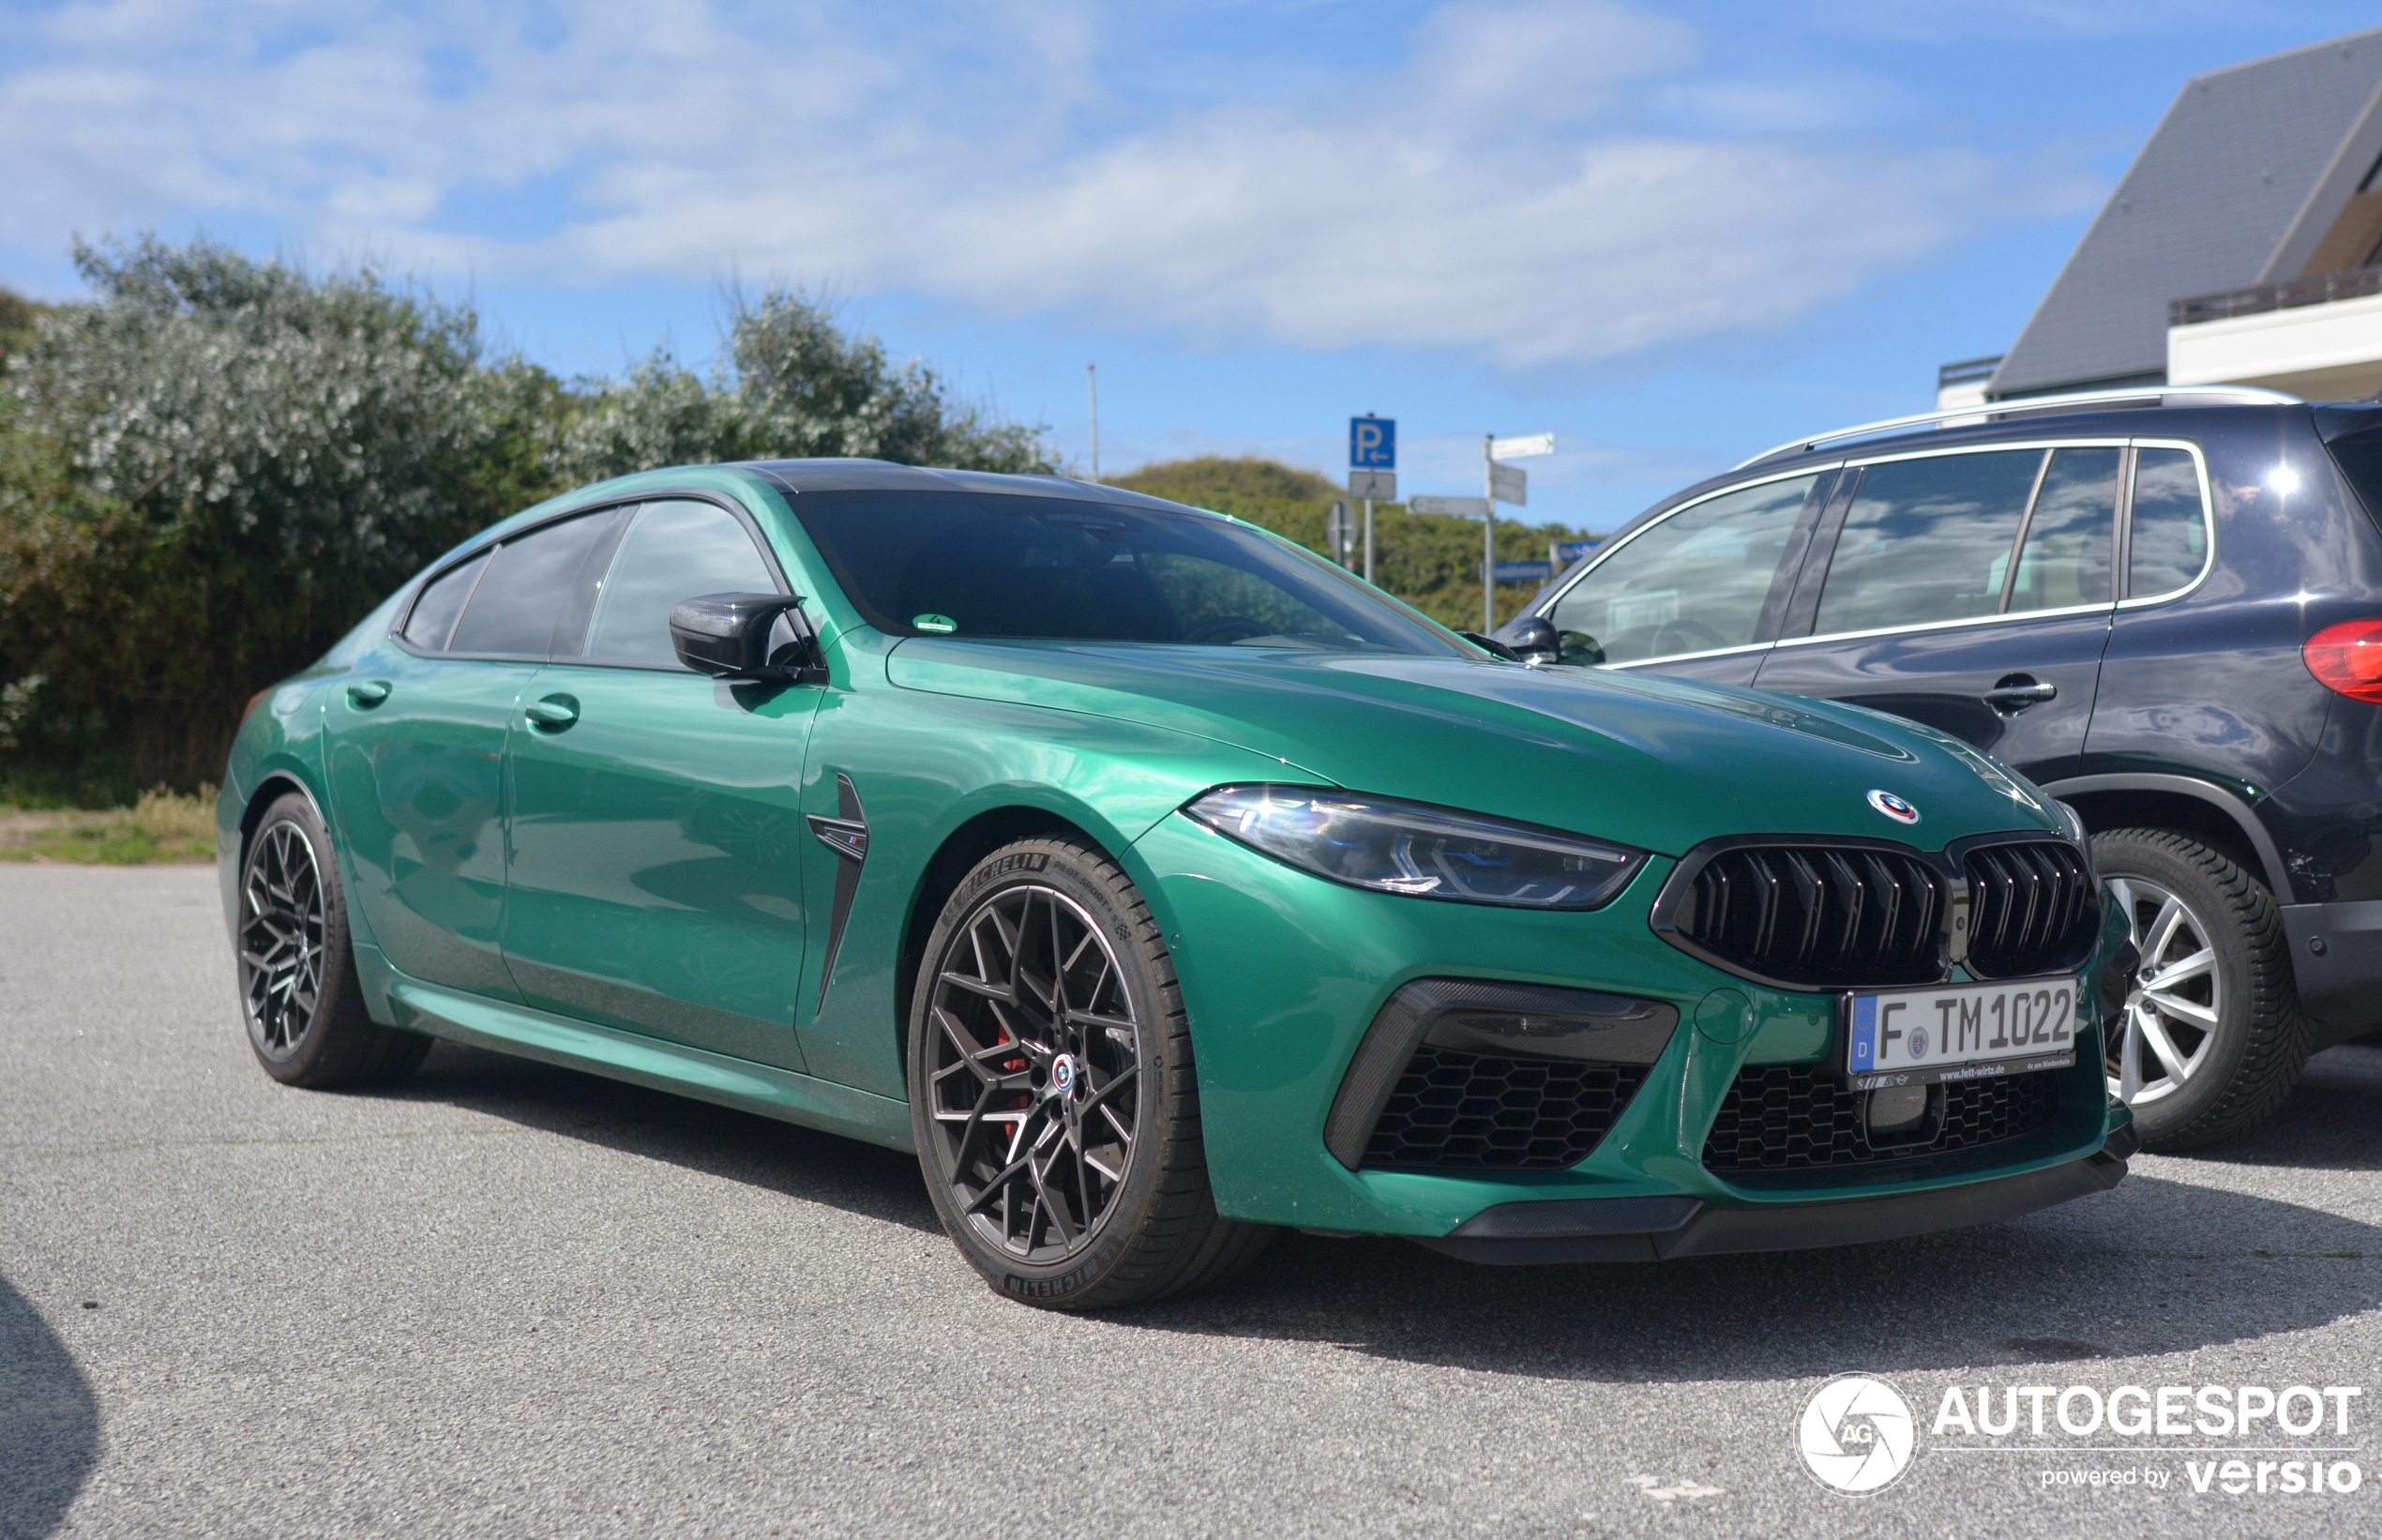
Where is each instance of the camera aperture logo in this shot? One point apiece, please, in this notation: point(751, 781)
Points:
point(1858, 1434)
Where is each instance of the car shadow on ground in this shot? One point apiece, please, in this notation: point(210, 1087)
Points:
point(783, 1157)
point(48, 1421)
point(2169, 1262)
point(2160, 1265)
point(2157, 1266)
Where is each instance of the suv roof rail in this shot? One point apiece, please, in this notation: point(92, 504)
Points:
point(2028, 406)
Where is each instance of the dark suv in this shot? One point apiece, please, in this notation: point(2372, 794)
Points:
point(2164, 607)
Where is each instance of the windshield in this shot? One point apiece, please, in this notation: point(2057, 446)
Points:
point(955, 564)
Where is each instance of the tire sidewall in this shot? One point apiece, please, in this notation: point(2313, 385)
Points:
point(1062, 865)
point(313, 1044)
point(2220, 923)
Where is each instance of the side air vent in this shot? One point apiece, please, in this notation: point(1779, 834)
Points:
point(2034, 908)
point(1458, 1074)
point(1810, 915)
point(1452, 1111)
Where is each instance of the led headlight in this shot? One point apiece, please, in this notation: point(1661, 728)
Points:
point(1427, 852)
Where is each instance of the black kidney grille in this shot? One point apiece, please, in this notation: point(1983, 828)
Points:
point(2034, 908)
point(1820, 914)
point(1473, 1112)
point(1803, 1117)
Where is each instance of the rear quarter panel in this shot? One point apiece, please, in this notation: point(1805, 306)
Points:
point(2212, 684)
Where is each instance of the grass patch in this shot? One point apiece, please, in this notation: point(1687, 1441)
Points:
point(160, 827)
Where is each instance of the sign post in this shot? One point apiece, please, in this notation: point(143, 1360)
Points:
point(1337, 535)
point(1488, 534)
point(1372, 470)
point(1503, 484)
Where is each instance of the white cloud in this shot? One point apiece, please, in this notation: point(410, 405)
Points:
point(1497, 197)
point(1959, 20)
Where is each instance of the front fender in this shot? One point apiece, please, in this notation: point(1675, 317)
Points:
point(280, 744)
point(928, 770)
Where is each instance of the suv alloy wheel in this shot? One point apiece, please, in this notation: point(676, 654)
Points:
point(2211, 1041)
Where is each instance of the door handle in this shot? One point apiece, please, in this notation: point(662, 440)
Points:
point(2017, 692)
point(554, 713)
point(367, 693)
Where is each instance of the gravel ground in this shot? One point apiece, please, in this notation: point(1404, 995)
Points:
point(506, 1299)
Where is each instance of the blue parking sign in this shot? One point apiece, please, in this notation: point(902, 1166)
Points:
point(1372, 443)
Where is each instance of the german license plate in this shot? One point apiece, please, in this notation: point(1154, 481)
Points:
point(1959, 1032)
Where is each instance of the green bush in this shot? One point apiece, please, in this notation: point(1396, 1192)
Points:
point(211, 472)
point(792, 386)
point(215, 467)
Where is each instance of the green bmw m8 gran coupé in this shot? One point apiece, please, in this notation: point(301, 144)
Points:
point(1158, 885)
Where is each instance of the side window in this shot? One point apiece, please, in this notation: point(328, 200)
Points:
point(672, 552)
point(1927, 540)
point(2067, 557)
point(579, 604)
point(442, 599)
point(512, 612)
point(1695, 581)
point(2169, 541)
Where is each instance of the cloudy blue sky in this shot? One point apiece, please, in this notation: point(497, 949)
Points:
point(1672, 235)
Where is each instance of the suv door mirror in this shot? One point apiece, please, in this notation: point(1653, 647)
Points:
point(1532, 639)
point(743, 637)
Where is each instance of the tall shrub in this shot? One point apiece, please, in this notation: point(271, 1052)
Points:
point(217, 465)
point(792, 384)
point(211, 471)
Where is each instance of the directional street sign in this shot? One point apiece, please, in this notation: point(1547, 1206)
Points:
point(1373, 443)
point(1374, 485)
point(1462, 508)
point(1503, 484)
point(1523, 572)
point(1572, 550)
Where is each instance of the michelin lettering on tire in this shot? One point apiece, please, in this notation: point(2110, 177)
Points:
point(1857, 1435)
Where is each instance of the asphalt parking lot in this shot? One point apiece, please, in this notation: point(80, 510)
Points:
point(510, 1300)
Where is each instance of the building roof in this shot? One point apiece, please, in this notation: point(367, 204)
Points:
point(2242, 179)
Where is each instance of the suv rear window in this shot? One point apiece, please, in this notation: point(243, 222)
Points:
point(2170, 537)
point(2359, 456)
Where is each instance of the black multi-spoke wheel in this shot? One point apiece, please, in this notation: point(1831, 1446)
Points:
point(1036, 1070)
point(281, 923)
point(1052, 1092)
point(298, 993)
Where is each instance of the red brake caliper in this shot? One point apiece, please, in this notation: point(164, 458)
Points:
point(1014, 1066)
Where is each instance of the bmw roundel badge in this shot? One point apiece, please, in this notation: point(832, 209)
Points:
point(1894, 807)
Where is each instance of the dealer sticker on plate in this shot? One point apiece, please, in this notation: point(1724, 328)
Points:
point(1959, 1032)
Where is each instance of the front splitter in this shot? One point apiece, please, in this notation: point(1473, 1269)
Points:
point(1627, 1229)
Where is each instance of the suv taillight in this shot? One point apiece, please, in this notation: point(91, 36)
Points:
point(2348, 657)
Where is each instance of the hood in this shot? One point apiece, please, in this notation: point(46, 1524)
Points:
point(1660, 763)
